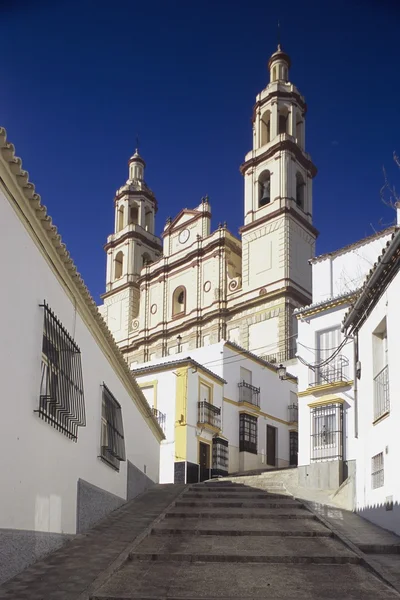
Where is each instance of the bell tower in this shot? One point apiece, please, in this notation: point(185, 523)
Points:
point(278, 237)
point(132, 245)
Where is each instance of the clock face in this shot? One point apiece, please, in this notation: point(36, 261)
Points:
point(184, 236)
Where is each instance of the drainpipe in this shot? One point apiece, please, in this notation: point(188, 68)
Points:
point(355, 384)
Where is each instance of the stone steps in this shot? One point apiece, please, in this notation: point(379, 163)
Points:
point(222, 503)
point(237, 513)
point(234, 496)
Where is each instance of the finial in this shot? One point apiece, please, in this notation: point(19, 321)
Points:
point(279, 36)
point(137, 143)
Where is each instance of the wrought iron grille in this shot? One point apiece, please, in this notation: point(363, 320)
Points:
point(220, 454)
point(334, 371)
point(61, 400)
point(293, 416)
point(247, 433)
point(293, 447)
point(377, 471)
point(249, 393)
point(161, 418)
point(327, 432)
point(381, 393)
point(112, 432)
point(281, 357)
point(209, 414)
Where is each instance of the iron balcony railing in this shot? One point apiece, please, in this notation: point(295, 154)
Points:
point(280, 357)
point(293, 413)
point(334, 371)
point(249, 393)
point(161, 418)
point(209, 414)
point(381, 393)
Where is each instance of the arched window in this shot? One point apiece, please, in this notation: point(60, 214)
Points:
point(264, 189)
point(120, 224)
point(146, 260)
point(179, 301)
point(118, 265)
point(148, 221)
point(283, 121)
point(300, 188)
point(299, 133)
point(134, 215)
point(265, 128)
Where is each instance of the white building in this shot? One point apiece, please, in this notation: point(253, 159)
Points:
point(226, 410)
point(327, 406)
point(209, 286)
point(78, 437)
point(374, 322)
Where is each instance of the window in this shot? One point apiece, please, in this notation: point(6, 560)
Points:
point(328, 340)
point(300, 187)
point(299, 133)
point(220, 454)
point(265, 128)
point(380, 370)
point(247, 433)
point(326, 432)
point(118, 265)
point(283, 120)
point(377, 471)
point(112, 431)
point(264, 189)
point(120, 224)
point(179, 302)
point(61, 401)
point(205, 393)
point(148, 221)
point(134, 215)
point(146, 260)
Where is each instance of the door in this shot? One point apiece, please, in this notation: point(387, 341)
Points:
point(293, 447)
point(204, 459)
point(271, 445)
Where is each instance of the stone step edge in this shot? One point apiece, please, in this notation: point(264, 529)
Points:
point(238, 496)
point(241, 515)
point(234, 532)
point(239, 558)
point(380, 548)
point(190, 504)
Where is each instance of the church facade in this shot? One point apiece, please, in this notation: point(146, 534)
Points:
point(195, 287)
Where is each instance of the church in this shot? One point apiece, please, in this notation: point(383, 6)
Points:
point(194, 287)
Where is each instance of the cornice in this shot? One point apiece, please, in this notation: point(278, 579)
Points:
point(172, 227)
point(280, 94)
point(133, 235)
point(146, 193)
point(281, 146)
point(276, 213)
point(325, 387)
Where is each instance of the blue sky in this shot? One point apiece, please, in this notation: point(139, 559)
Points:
point(80, 78)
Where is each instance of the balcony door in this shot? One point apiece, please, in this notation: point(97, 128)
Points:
point(204, 460)
point(327, 341)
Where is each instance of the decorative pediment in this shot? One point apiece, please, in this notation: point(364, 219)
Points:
point(185, 217)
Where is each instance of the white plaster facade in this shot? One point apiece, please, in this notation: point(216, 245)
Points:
point(176, 387)
point(209, 286)
point(40, 488)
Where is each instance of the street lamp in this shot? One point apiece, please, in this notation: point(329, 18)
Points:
point(282, 372)
point(179, 340)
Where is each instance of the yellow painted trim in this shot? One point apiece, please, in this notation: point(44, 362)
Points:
point(381, 418)
point(212, 428)
point(328, 306)
point(325, 387)
point(148, 384)
point(207, 384)
point(295, 430)
point(181, 414)
point(258, 412)
point(327, 401)
point(209, 443)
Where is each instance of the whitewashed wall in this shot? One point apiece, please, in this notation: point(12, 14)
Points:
point(39, 488)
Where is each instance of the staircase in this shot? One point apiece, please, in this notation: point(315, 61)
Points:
point(226, 540)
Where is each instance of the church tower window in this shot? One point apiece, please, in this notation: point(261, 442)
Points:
point(264, 189)
point(300, 185)
point(266, 128)
point(146, 260)
point(283, 120)
point(148, 221)
point(118, 265)
point(179, 301)
point(120, 224)
point(134, 215)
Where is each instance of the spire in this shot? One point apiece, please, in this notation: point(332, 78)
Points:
point(279, 63)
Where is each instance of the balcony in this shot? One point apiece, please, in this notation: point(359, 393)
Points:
point(161, 418)
point(293, 413)
point(335, 371)
point(248, 393)
point(280, 357)
point(208, 414)
point(381, 393)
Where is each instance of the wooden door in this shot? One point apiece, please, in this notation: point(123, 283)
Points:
point(271, 445)
point(204, 460)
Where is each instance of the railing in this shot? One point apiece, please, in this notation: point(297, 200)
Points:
point(209, 414)
point(249, 393)
point(280, 357)
point(161, 418)
point(334, 371)
point(293, 413)
point(381, 393)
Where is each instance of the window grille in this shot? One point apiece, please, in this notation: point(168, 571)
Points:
point(247, 433)
point(209, 414)
point(377, 471)
point(220, 454)
point(326, 432)
point(112, 431)
point(381, 393)
point(61, 400)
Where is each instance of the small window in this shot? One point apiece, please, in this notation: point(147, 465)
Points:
point(377, 471)
point(112, 431)
point(118, 265)
point(247, 433)
point(179, 302)
point(134, 215)
point(283, 119)
point(300, 186)
point(264, 189)
point(61, 401)
point(120, 218)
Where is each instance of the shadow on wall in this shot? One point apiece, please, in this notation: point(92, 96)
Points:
point(385, 515)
